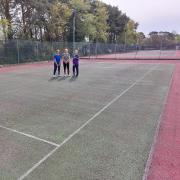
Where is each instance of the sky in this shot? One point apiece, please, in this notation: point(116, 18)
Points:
point(152, 15)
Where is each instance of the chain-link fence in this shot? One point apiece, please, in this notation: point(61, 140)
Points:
point(120, 51)
point(22, 51)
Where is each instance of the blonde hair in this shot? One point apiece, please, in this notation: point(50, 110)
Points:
point(66, 50)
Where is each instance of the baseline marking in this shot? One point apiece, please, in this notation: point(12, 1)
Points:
point(30, 136)
point(84, 125)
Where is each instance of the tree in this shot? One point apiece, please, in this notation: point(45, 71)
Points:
point(58, 25)
point(100, 21)
point(140, 37)
point(83, 19)
point(162, 39)
point(6, 13)
point(116, 22)
point(89, 26)
point(32, 18)
point(4, 24)
point(40, 20)
point(177, 38)
point(53, 20)
point(91, 20)
point(154, 39)
point(130, 34)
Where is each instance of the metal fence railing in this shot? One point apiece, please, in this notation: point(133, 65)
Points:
point(22, 51)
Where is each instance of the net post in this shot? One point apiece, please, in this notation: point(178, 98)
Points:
point(17, 46)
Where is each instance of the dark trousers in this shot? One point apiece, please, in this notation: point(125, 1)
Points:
point(57, 66)
point(75, 70)
point(66, 67)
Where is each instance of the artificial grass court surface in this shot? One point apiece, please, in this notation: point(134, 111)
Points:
point(98, 126)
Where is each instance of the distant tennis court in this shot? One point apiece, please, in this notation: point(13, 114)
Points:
point(140, 55)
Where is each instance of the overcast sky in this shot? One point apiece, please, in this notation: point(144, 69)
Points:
point(152, 15)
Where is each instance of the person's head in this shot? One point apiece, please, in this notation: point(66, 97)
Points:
point(58, 51)
point(76, 51)
point(66, 50)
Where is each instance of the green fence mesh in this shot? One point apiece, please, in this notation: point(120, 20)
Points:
point(22, 51)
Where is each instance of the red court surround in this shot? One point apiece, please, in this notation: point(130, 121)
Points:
point(165, 164)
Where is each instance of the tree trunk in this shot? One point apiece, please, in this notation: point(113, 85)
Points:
point(8, 17)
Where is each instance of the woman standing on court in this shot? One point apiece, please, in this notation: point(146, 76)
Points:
point(57, 63)
point(76, 64)
point(66, 62)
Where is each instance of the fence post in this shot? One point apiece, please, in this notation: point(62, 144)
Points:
point(17, 46)
point(160, 49)
point(96, 51)
point(37, 51)
point(89, 50)
point(137, 47)
point(116, 51)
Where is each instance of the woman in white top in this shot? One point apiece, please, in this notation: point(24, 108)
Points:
point(66, 62)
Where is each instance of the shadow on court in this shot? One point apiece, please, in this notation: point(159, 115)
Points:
point(73, 78)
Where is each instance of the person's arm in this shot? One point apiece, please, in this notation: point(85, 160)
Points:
point(55, 60)
point(61, 59)
point(69, 58)
point(78, 59)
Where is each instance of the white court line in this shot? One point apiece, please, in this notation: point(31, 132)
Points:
point(85, 124)
point(149, 160)
point(30, 136)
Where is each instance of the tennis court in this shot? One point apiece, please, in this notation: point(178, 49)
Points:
point(99, 126)
point(140, 55)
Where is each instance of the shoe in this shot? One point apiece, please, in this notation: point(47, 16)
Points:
point(59, 75)
point(64, 75)
point(54, 76)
